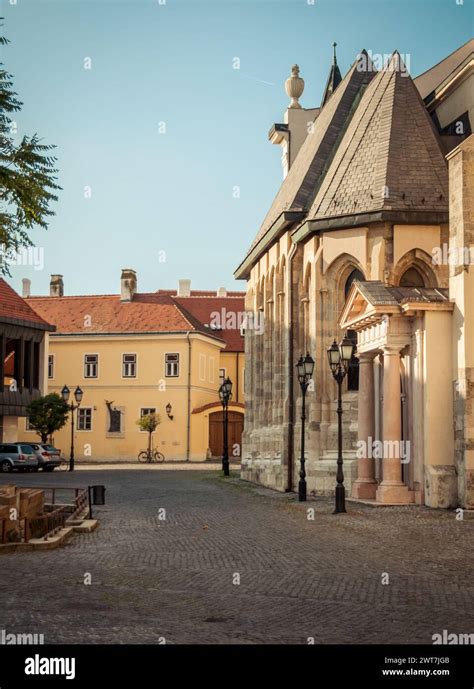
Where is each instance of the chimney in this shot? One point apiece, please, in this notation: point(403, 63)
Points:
point(128, 284)
point(297, 124)
point(184, 288)
point(222, 292)
point(56, 286)
point(26, 288)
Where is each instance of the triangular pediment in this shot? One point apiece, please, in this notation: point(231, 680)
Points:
point(367, 300)
point(357, 307)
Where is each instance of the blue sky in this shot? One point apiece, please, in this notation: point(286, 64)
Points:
point(164, 203)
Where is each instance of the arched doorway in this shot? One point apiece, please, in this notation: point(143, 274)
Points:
point(234, 436)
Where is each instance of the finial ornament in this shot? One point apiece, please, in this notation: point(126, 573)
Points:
point(334, 49)
point(294, 87)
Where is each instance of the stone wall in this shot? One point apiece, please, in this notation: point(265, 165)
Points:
point(461, 290)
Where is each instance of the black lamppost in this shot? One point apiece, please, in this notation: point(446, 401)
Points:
point(72, 407)
point(339, 357)
point(305, 368)
point(225, 394)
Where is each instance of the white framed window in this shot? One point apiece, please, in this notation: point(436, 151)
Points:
point(129, 366)
point(91, 365)
point(171, 365)
point(50, 366)
point(202, 367)
point(84, 419)
point(222, 375)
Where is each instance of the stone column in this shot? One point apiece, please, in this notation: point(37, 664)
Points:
point(392, 489)
point(365, 486)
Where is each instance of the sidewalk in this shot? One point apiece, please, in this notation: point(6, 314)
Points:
point(166, 466)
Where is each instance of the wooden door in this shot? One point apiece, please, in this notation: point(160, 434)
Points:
point(234, 435)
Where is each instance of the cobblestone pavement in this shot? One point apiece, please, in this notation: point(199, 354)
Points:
point(176, 579)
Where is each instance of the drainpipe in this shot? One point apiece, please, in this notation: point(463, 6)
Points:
point(188, 430)
point(237, 377)
point(291, 402)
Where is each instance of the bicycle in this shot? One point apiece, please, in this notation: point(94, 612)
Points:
point(151, 456)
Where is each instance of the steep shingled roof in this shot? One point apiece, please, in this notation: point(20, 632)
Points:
point(316, 150)
point(429, 81)
point(389, 157)
point(14, 308)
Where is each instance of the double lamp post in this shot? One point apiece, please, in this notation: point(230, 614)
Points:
point(339, 357)
point(78, 393)
point(225, 395)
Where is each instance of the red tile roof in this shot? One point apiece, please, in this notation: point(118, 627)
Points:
point(226, 311)
point(13, 307)
point(200, 293)
point(148, 312)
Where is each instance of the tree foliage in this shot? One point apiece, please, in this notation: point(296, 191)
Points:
point(28, 177)
point(47, 415)
point(149, 423)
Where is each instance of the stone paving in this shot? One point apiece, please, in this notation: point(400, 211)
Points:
point(177, 579)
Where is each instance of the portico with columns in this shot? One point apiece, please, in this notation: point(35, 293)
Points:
point(404, 456)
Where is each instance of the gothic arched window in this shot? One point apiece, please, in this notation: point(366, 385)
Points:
point(355, 275)
point(412, 278)
point(353, 372)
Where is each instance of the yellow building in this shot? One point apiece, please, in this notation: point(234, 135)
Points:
point(134, 353)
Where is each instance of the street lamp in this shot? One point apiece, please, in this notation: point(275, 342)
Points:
point(339, 357)
point(225, 394)
point(78, 393)
point(305, 367)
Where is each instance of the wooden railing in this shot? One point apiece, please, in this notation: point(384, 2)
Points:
point(49, 524)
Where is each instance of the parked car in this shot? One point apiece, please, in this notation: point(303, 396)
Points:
point(48, 456)
point(19, 456)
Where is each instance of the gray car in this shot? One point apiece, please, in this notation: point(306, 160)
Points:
point(48, 456)
point(19, 456)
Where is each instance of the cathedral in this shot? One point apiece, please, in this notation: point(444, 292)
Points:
point(370, 236)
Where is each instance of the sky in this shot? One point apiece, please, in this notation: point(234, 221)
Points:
point(162, 148)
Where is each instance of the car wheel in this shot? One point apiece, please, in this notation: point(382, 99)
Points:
point(5, 467)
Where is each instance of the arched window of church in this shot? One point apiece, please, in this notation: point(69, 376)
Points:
point(353, 372)
point(355, 275)
point(412, 278)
